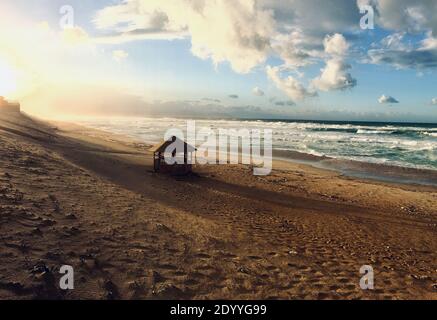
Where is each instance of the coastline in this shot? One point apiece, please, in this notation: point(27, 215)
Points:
point(88, 198)
point(363, 170)
point(350, 168)
point(378, 171)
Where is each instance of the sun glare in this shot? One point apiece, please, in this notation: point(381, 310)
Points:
point(8, 79)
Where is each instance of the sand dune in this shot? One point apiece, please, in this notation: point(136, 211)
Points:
point(76, 196)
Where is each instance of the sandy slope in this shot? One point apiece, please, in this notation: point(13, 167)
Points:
point(85, 198)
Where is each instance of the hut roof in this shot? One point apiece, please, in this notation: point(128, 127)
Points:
point(161, 147)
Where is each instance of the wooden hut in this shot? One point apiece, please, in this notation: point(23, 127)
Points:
point(179, 150)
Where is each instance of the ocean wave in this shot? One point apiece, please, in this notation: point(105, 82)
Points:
point(346, 130)
point(431, 134)
point(366, 131)
point(408, 146)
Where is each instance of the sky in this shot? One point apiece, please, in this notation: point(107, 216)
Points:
point(371, 60)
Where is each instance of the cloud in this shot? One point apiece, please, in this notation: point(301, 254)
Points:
point(211, 100)
point(387, 100)
point(136, 20)
point(285, 103)
point(429, 43)
point(296, 48)
point(407, 15)
point(233, 96)
point(247, 32)
point(335, 75)
point(315, 16)
point(413, 59)
point(74, 35)
point(119, 55)
point(131, 16)
point(138, 35)
point(290, 86)
point(241, 29)
point(434, 101)
point(394, 41)
point(394, 52)
point(257, 92)
point(336, 45)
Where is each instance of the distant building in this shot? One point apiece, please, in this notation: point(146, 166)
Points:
point(6, 106)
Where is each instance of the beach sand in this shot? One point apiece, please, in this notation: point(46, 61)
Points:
point(85, 198)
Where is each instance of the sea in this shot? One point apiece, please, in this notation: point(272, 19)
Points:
point(408, 145)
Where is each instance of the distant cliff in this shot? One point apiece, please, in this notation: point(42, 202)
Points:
point(6, 106)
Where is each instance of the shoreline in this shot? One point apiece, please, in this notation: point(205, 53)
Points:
point(392, 168)
point(363, 170)
point(350, 168)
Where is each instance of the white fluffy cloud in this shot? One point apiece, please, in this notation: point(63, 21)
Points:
point(241, 32)
point(258, 92)
point(335, 75)
point(336, 45)
point(290, 86)
point(241, 29)
point(384, 99)
point(245, 33)
point(434, 101)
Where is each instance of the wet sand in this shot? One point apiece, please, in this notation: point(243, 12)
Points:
point(364, 170)
point(77, 196)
